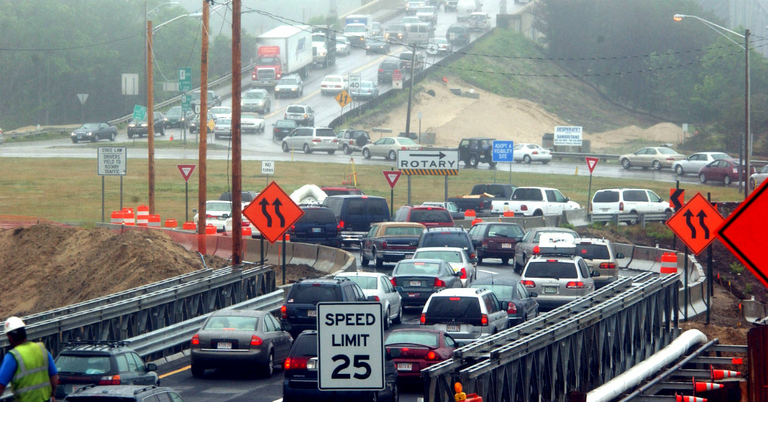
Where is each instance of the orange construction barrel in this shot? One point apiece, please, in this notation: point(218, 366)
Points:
point(469, 213)
point(509, 214)
point(476, 221)
point(210, 229)
point(171, 223)
point(668, 263)
point(246, 231)
point(117, 217)
point(154, 221)
point(189, 226)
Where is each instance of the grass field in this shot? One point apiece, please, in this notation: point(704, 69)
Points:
point(69, 190)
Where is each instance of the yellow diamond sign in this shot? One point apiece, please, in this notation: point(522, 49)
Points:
point(343, 98)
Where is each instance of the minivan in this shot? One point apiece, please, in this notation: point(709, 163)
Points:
point(418, 34)
point(628, 201)
point(465, 314)
point(356, 213)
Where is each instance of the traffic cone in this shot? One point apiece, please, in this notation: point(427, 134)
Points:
point(723, 373)
point(681, 398)
point(171, 136)
point(699, 387)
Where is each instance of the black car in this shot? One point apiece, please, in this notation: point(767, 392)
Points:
point(282, 128)
point(376, 45)
point(246, 197)
point(521, 304)
point(300, 376)
point(317, 225)
point(126, 393)
point(93, 132)
point(387, 68)
point(176, 118)
point(472, 151)
point(496, 240)
point(448, 237)
point(458, 34)
point(141, 128)
point(300, 308)
point(102, 363)
point(213, 99)
point(356, 213)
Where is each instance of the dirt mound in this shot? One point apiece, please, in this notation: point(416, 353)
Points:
point(453, 117)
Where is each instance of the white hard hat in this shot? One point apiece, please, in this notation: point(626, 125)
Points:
point(13, 323)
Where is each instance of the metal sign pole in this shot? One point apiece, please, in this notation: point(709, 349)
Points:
point(409, 190)
point(510, 173)
point(102, 200)
point(685, 274)
point(186, 201)
point(446, 189)
point(283, 259)
point(589, 193)
point(709, 271)
point(121, 192)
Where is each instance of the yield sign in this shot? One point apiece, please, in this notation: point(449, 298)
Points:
point(186, 171)
point(743, 231)
point(273, 212)
point(591, 163)
point(696, 223)
point(392, 177)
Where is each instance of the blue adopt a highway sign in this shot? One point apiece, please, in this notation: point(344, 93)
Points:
point(502, 151)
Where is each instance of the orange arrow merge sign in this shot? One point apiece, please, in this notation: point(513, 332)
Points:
point(273, 212)
point(696, 223)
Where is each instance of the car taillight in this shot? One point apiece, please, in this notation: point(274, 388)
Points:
point(484, 320)
point(196, 340)
point(463, 273)
point(608, 265)
point(439, 283)
point(284, 312)
point(293, 363)
point(110, 380)
point(383, 245)
point(431, 355)
point(485, 243)
point(393, 281)
point(381, 70)
point(423, 319)
point(621, 206)
point(529, 284)
point(511, 309)
point(472, 255)
point(341, 224)
point(316, 140)
point(575, 285)
point(735, 171)
point(210, 216)
point(256, 341)
point(275, 130)
point(376, 298)
point(285, 115)
point(335, 140)
point(536, 250)
point(524, 207)
point(305, 115)
point(535, 152)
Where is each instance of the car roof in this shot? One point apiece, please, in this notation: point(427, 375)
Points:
point(127, 390)
point(446, 248)
point(459, 292)
point(237, 312)
point(360, 273)
point(399, 224)
point(424, 260)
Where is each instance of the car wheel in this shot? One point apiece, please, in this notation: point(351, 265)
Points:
point(285, 147)
point(544, 162)
point(366, 154)
point(679, 170)
point(268, 368)
point(347, 150)
point(112, 137)
point(95, 138)
point(197, 370)
point(395, 394)
point(388, 321)
point(727, 180)
point(306, 149)
point(702, 178)
point(479, 260)
point(657, 165)
point(635, 220)
point(527, 159)
point(74, 140)
point(261, 130)
point(363, 259)
point(517, 267)
point(399, 318)
point(330, 152)
point(277, 95)
point(538, 212)
point(668, 213)
point(392, 155)
point(473, 161)
point(752, 183)
point(625, 163)
point(505, 261)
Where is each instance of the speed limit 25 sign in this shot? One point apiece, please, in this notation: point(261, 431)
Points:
point(351, 346)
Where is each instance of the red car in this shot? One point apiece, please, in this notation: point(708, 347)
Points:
point(419, 348)
point(724, 170)
point(428, 216)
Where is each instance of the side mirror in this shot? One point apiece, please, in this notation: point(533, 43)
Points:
point(473, 260)
point(475, 242)
point(371, 299)
point(194, 210)
point(619, 255)
point(533, 294)
point(503, 305)
point(457, 274)
point(393, 353)
point(151, 367)
point(285, 326)
point(595, 273)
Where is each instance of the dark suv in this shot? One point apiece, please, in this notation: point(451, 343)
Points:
point(356, 213)
point(317, 225)
point(353, 140)
point(387, 68)
point(140, 128)
point(101, 363)
point(472, 151)
point(458, 34)
point(302, 114)
point(427, 216)
point(300, 377)
point(300, 308)
point(126, 393)
point(448, 237)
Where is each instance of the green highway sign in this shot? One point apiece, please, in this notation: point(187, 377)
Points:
point(185, 79)
point(139, 112)
point(186, 102)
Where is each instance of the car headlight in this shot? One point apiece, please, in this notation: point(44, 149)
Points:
point(89, 133)
point(73, 134)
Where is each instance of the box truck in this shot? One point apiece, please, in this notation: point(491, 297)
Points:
point(282, 51)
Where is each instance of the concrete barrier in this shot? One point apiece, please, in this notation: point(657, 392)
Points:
point(326, 259)
point(576, 217)
point(753, 310)
point(304, 253)
point(344, 262)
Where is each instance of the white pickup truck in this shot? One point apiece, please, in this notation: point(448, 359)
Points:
point(534, 201)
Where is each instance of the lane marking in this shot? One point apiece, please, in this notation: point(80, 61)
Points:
point(175, 372)
point(486, 271)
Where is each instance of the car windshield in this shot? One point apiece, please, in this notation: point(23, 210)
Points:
point(285, 124)
point(267, 61)
point(220, 110)
point(548, 269)
point(448, 239)
point(296, 109)
point(718, 156)
point(413, 337)
point(243, 323)
point(503, 292)
point(450, 308)
point(218, 206)
point(288, 81)
point(325, 132)
point(505, 231)
point(332, 79)
point(355, 28)
point(254, 95)
point(593, 251)
point(318, 216)
point(416, 268)
point(85, 365)
point(539, 233)
point(450, 256)
point(431, 216)
point(523, 194)
point(406, 141)
point(174, 111)
point(402, 231)
point(365, 282)
point(366, 84)
point(666, 151)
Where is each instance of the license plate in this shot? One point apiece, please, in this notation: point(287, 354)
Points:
point(415, 283)
point(506, 245)
point(453, 327)
point(404, 366)
point(316, 230)
point(414, 295)
point(550, 290)
point(224, 345)
point(312, 312)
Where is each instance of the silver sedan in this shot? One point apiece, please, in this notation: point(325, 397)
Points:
point(456, 257)
point(379, 286)
point(387, 147)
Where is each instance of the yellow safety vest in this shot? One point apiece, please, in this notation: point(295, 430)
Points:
point(31, 382)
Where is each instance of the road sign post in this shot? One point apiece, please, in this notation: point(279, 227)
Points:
point(350, 346)
point(343, 100)
point(392, 178)
point(503, 151)
point(591, 164)
point(397, 80)
point(111, 161)
point(267, 168)
point(428, 162)
point(186, 173)
point(185, 79)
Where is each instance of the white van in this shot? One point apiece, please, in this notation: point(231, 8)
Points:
point(628, 201)
point(465, 7)
point(419, 34)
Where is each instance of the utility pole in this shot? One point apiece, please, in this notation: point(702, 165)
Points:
point(237, 217)
point(203, 131)
point(747, 131)
point(410, 94)
point(150, 122)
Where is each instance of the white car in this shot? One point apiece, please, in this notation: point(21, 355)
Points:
point(379, 286)
point(334, 84)
point(245, 223)
point(439, 46)
point(693, 163)
point(628, 201)
point(455, 256)
point(223, 128)
point(534, 201)
point(528, 153)
point(221, 111)
point(757, 178)
point(250, 122)
point(217, 213)
point(342, 46)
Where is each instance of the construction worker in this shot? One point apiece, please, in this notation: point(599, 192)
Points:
point(28, 366)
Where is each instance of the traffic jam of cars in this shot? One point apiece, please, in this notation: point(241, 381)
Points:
point(441, 281)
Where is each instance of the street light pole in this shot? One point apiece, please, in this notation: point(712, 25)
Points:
point(237, 217)
point(747, 109)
